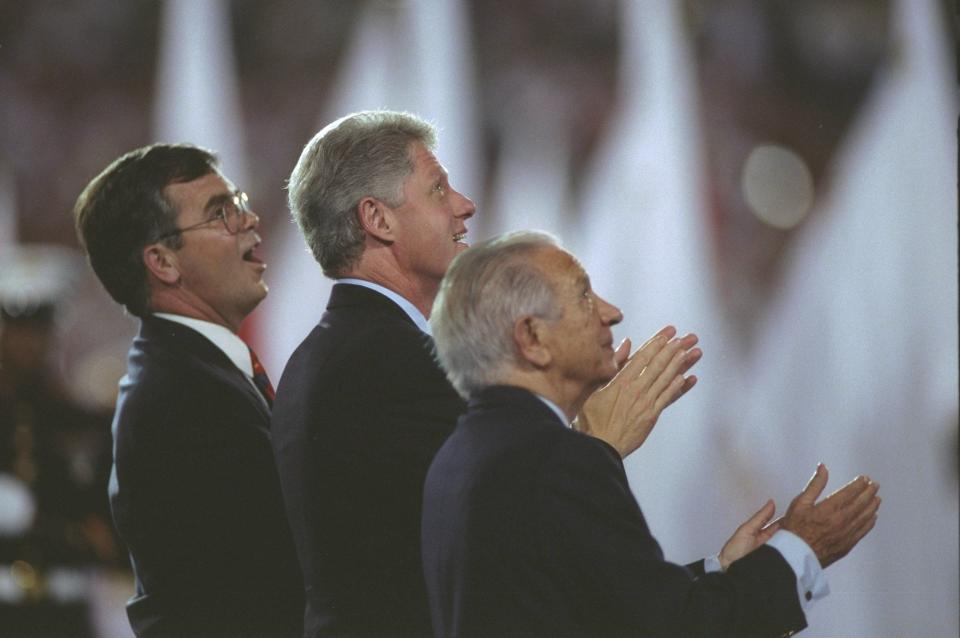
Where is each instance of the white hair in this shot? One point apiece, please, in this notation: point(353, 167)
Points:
point(486, 289)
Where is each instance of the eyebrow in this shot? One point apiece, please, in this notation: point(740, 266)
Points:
point(218, 200)
point(439, 172)
point(583, 281)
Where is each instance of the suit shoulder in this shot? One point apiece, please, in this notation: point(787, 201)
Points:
point(581, 468)
point(165, 391)
point(498, 448)
point(350, 333)
point(583, 453)
point(349, 348)
point(156, 374)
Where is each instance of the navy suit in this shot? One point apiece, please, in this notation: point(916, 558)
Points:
point(530, 529)
point(360, 412)
point(196, 497)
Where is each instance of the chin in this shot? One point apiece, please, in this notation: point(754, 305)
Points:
point(600, 379)
point(258, 295)
point(609, 372)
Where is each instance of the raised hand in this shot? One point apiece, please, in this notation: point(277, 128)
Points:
point(836, 524)
point(624, 411)
point(752, 534)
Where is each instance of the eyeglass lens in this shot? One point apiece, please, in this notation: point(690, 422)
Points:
point(234, 211)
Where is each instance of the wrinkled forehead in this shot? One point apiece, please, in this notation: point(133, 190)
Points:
point(563, 270)
point(201, 193)
point(424, 160)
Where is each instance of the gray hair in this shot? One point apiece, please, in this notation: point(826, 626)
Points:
point(364, 154)
point(486, 289)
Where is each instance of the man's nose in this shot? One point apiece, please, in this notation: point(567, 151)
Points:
point(609, 314)
point(251, 221)
point(465, 206)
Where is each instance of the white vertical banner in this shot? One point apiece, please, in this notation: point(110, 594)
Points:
point(644, 239)
point(856, 360)
point(197, 96)
point(531, 187)
point(295, 305)
point(9, 233)
point(414, 56)
point(441, 79)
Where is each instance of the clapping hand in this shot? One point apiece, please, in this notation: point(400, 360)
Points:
point(752, 534)
point(624, 411)
point(836, 524)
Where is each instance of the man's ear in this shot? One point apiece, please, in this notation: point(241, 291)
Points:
point(376, 218)
point(528, 334)
point(161, 263)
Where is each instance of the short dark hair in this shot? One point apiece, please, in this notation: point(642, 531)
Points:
point(124, 209)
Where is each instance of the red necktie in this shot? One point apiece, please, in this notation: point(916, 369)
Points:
point(260, 378)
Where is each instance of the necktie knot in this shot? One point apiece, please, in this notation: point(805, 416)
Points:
point(260, 378)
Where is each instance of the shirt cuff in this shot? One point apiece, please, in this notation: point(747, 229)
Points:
point(712, 564)
point(811, 581)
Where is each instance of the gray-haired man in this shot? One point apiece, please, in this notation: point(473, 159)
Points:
point(362, 406)
point(530, 528)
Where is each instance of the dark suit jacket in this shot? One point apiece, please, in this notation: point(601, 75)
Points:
point(530, 529)
point(360, 411)
point(195, 495)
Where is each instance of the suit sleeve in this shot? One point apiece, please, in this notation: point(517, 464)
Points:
point(697, 568)
point(598, 527)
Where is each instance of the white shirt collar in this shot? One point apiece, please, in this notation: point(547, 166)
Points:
point(415, 315)
point(231, 345)
point(556, 408)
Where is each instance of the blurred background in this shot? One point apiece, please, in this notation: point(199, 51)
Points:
point(778, 176)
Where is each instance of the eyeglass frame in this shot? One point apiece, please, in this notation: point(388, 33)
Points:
point(240, 202)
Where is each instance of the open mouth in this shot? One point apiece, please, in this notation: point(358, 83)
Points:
point(252, 255)
point(459, 236)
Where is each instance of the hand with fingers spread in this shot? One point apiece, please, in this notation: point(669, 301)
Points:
point(624, 411)
point(834, 525)
point(749, 536)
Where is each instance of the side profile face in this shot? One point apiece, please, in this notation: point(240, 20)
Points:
point(430, 225)
point(221, 275)
point(581, 340)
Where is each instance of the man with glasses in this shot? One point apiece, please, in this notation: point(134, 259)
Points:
point(194, 490)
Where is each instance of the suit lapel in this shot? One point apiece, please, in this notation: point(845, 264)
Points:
point(192, 345)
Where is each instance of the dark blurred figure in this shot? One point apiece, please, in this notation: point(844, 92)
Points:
point(54, 463)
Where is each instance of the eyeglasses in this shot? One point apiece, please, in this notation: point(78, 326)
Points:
point(233, 213)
